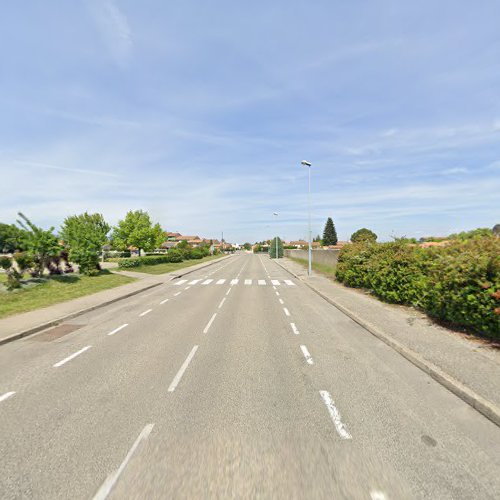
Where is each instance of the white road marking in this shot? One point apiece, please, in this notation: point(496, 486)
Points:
point(220, 282)
point(234, 281)
point(335, 415)
point(163, 301)
point(287, 312)
point(176, 294)
point(295, 329)
point(277, 293)
point(187, 288)
point(180, 282)
point(207, 282)
point(222, 302)
point(116, 330)
point(377, 495)
point(281, 301)
point(275, 282)
point(228, 291)
point(209, 323)
point(289, 282)
point(194, 282)
point(182, 369)
point(306, 354)
point(74, 355)
point(7, 395)
point(248, 282)
point(111, 480)
point(145, 312)
point(262, 282)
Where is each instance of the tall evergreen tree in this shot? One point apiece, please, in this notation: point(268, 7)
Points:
point(329, 234)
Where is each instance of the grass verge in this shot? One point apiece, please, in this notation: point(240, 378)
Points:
point(57, 289)
point(169, 267)
point(328, 271)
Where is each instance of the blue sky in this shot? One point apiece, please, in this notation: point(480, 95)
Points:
point(200, 113)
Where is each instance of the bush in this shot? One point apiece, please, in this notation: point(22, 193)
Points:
point(150, 260)
point(197, 254)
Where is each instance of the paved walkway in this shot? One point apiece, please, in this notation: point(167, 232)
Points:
point(473, 362)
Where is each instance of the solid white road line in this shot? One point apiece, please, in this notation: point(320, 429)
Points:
point(111, 480)
point(176, 294)
point(228, 291)
point(163, 301)
point(335, 415)
point(69, 358)
point(281, 301)
point(248, 282)
point(207, 282)
point(145, 312)
point(275, 282)
point(116, 330)
point(295, 329)
point(306, 354)
point(377, 495)
point(220, 282)
point(7, 395)
point(289, 282)
point(262, 282)
point(194, 282)
point(180, 282)
point(287, 312)
point(209, 324)
point(222, 302)
point(182, 369)
point(234, 281)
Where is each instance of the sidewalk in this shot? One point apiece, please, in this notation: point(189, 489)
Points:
point(471, 362)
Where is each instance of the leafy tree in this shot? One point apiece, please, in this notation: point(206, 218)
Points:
point(85, 235)
point(138, 231)
point(40, 244)
point(330, 234)
point(363, 234)
point(247, 246)
point(480, 232)
point(11, 238)
point(272, 248)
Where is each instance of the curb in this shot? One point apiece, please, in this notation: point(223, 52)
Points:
point(483, 406)
point(44, 326)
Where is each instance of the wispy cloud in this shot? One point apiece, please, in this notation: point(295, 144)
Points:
point(64, 169)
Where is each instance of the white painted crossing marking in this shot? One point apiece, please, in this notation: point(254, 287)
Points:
point(194, 282)
point(248, 282)
point(111, 480)
point(163, 301)
point(220, 282)
point(377, 495)
point(287, 312)
point(116, 330)
point(275, 282)
point(306, 354)
point(209, 323)
point(295, 329)
point(228, 291)
point(262, 282)
point(207, 282)
point(222, 302)
point(74, 355)
point(182, 369)
point(335, 415)
point(187, 288)
point(289, 282)
point(277, 293)
point(234, 281)
point(281, 301)
point(180, 282)
point(145, 312)
point(7, 395)
point(176, 294)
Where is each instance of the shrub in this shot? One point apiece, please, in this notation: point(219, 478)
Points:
point(363, 234)
point(150, 260)
point(197, 254)
point(174, 255)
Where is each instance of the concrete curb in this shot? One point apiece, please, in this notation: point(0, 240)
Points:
point(44, 326)
point(488, 409)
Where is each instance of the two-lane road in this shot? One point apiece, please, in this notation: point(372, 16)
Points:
point(234, 381)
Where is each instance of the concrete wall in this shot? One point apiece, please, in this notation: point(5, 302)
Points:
point(326, 257)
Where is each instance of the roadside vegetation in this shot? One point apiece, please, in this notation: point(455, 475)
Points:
point(328, 271)
point(167, 267)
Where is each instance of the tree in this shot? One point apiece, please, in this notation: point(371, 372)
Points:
point(40, 244)
point(496, 229)
point(247, 246)
point(85, 236)
point(329, 234)
point(11, 238)
point(272, 248)
point(138, 231)
point(363, 234)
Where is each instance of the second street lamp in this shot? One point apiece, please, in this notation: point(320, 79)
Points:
point(276, 253)
point(308, 165)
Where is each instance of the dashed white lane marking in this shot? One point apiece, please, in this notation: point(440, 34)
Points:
point(222, 302)
point(74, 355)
point(7, 395)
point(262, 282)
point(182, 369)
point(180, 282)
point(187, 288)
point(287, 312)
point(228, 291)
point(176, 294)
point(306, 354)
point(194, 282)
point(145, 312)
point(248, 282)
point(294, 328)
point(377, 495)
point(234, 281)
point(163, 301)
point(207, 282)
point(220, 282)
point(277, 293)
point(275, 282)
point(289, 282)
point(111, 480)
point(281, 301)
point(335, 415)
point(116, 330)
point(209, 324)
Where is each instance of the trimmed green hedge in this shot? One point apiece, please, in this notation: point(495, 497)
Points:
point(150, 260)
point(458, 283)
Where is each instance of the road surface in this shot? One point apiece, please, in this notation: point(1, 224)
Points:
point(236, 381)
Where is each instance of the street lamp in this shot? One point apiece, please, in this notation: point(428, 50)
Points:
point(277, 253)
point(308, 165)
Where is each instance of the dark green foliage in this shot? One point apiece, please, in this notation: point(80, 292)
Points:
point(272, 248)
point(363, 234)
point(5, 262)
point(496, 230)
point(197, 254)
point(329, 234)
point(11, 238)
point(151, 260)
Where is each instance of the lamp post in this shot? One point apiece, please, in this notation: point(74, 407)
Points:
point(277, 252)
point(308, 165)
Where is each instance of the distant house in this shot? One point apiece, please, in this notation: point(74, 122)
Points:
point(298, 243)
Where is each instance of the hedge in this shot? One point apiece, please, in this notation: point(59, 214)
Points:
point(150, 260)
point(458, 283)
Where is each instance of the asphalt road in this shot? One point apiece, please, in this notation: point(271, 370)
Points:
point(232, 389)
